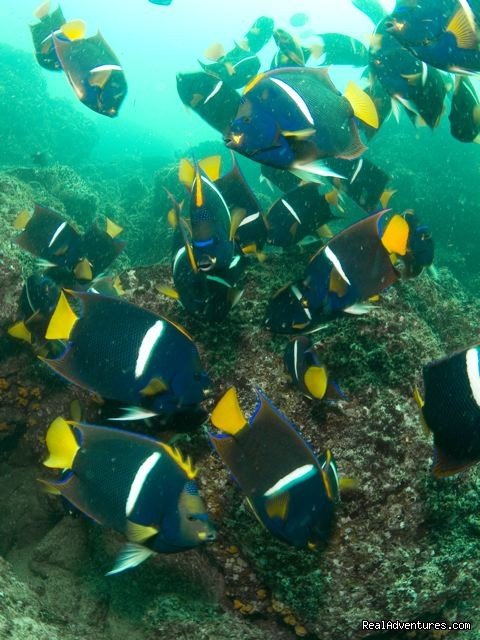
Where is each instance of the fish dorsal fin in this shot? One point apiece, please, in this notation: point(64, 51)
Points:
point(112, 228)
point(42, 11)
point(62, 445)
point(184, 463)
point(130, 556)
point(362, 105)
point(237, 215)
point(20, 332)
point(62, 321)
point(386, 197)
point(227, 415)
point(154, 387)
point(462, 25)
point(277, 506)
point(316, 381)
point(74, 30)
point(186, 173)
point(139, 533)
point(22, 220)
point(395, 235)
point(211, 167)
point(83, 270)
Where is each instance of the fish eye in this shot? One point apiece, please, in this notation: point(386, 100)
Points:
point(246, 119)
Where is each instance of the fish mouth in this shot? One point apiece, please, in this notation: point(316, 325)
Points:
point(395, 26)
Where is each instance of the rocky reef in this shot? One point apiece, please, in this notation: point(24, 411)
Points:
point(405, 545)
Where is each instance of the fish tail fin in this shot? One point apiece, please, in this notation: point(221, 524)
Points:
point(62, 321)
point(211, 167)
point(112, 228)
point(62, 445)
point(227, 415)
point(74, 30)
point(20, 331)
point(186, 173)
point(362, 105)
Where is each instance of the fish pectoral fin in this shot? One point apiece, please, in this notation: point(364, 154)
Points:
point(170, 292)
point(314, 171)
point(211, 167)
point(154, 387)
point(62, 445)
point(362, 105)
point(300, 133)
point(316, 381)
point(139, 533)
point(62, 321)
point(49, 487)
point(359, 309)
point(395, 236)
point(386, 197)
point(462, 25)
point(20, 332)
point(417, 396)
point(133, 413)
point(237, 215)
point(444, 465)
point(277, 506)
point(83, 270)
point(227, 415)
point(130, 556)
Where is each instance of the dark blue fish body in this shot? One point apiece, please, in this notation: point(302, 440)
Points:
point(215, 101)
point(136, 485)
point(343, 50)
point(290, 52)
point(210, 218)
point(297, 214)
point(364, 181)
point(465, 111)
point(442, 33)
point(259, 34)
point(94, 72)
point(293, 116)
point(354, 266)
point(48, 236)
point(451, 410)
point(291, 491)
point(236, 68)
point(125, 353)
point(43, 41)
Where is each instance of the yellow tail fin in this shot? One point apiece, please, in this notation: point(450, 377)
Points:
point(112, 228)
point(362, 105)
point(62, 445)
point(211, 167)
point(62, 321)
point(227, 415)
point(19, 330)
point(74, 30)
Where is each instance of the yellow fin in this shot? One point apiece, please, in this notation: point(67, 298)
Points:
point(172, 218)
point(347, 484)
point(75, 410)
point(43, 10)
point(168, 291)
point(211, 167)
point(417, 396)
point(324, 231)
point(316, 381)
point(301, 133)
point(325, 469)
point(74, 30)
point(386, 197)
point(83, 270)
point(117, 285)
point(375, 298)
point(462, 25)
point(227, 414)
point(139, 533)
point(62, 321)
point(214, 52)
point(183, 463)
point(20, 332)
point(62, 445)
point(237, 215)
point(395, 236)
point(362, 105)
point(332, 197)
point(154, 387)
point(99, 78)
point(198, 190)
point(22, 220)
point(253, 83)
point(112, 228)
point(277, 506)
point(186, 173)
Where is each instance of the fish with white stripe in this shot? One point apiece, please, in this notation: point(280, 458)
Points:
point(142, 488)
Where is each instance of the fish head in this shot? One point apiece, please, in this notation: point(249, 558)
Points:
point(254, 129)
point(289, 311)
point(110, 95)
point(194, 526)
